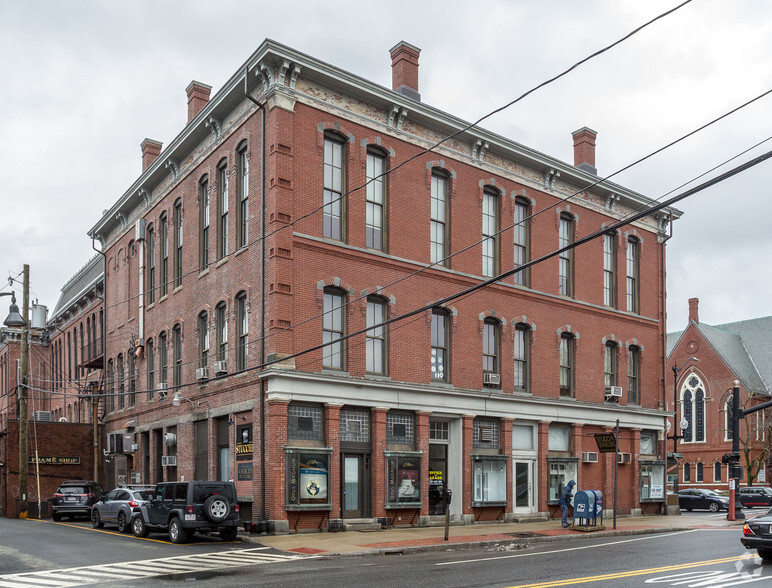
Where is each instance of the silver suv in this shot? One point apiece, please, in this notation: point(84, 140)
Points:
point(118, 506)
point(184, 508)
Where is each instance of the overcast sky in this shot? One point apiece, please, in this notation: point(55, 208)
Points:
point(84, 82)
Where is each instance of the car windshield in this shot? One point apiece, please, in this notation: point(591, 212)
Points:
point(711, 493)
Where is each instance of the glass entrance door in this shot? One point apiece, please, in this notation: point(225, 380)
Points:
point(523, 500)
point(354, 486)
point(438, 476)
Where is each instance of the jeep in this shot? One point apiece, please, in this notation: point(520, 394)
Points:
point(183, 508)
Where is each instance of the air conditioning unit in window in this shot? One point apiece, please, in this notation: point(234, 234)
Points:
point(168, 461)
point(625, 458)
point(220, 367)
point(202, 373)
point(43, 416)
point(589, 457)
point(613, 391)
point(490, 379)
point(115, 443)
point(163, 388)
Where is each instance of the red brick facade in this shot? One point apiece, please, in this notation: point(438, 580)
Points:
point(280, 283)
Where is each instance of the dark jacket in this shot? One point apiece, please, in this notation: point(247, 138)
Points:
point(566, 496)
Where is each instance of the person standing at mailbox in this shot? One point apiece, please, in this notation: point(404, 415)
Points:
point(566, 496)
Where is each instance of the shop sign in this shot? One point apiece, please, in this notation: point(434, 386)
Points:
point(57, 460)
point(243, 451)
point(244, 471)
point(607, 442)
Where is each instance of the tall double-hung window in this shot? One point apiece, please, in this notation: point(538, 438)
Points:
point(521, 235)
point(222, 210)
point(375, 214)
point(609, 270)
point(150, 264)
point(242, 331)
point(566, 364)
point(203, 240)
point(633, 374)
point(203, 339)
point(566, 258)
point(164, 255)
point(522, 350)
point(439, 219)
point(490, 233)
point(333, 329)
point(334, 182)
point(440, 354)
point(222, 331)
point(242, 221)
point(376, 336)
point(633, 269)
point(178, 244)
point(491, 347)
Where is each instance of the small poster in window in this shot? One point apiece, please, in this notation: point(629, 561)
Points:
point(656, 491)
point(313, 477)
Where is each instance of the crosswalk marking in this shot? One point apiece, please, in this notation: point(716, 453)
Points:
point(102, 573)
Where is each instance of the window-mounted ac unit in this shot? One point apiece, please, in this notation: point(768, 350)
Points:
point(202, 373)
point(115, 443)
point(163, 388)
point(168, 461)
point(613, 391)
point(625, 458)
point(220, 367)
point(170, 439)
point(43, 416)
point(589, 457)
point(491, 379)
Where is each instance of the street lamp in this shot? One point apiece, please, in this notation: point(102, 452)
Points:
point(16, 320)
point(683, 423)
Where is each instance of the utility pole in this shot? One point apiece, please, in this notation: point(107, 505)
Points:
point(23, 419)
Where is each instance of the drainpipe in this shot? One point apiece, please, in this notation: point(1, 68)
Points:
point(95, 402)
point(263, 514)
point(663, 352)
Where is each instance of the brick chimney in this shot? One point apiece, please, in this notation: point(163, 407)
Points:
point(198, 96)
point(694, 310)
point(150, 151)
point(404, 69)
point(584, 149)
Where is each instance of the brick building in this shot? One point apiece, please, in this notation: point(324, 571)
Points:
point(249, 269)
point(709, 359)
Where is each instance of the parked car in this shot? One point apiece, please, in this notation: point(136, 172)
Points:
point(118, 506)
point(754, 496)
point(700, 499)
point(75, 498)
point(757, 534)
point(184, 508)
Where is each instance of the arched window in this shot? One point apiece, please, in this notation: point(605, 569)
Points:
point(566, 258)
point(633, 374)
point(610, 364)
point(333, 329)
point(222, 209)
point(222, 332)
point(566, 364)
point(375, 216)
point(163, 355)
point(121, 383)
point(376, 335)
point(334, 186)
point(110, 386)
point(242, 220)
point(242, 331)
point(203, 220)
point(522, 355)
point(521, 234)
point(491, 347)
point(693, 409)
point(490, 232)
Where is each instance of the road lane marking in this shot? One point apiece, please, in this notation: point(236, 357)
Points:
point(183, 564)
point(633, 573)
point(600, 545)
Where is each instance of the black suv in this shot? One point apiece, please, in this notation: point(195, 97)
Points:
point(75, 498)
point(754, 496)
point(182, 508)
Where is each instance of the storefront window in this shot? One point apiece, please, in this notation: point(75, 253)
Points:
point(522, 437)
point(652, 481)
point(561, 470)
point(307, 479)
point(489, 480)
point(648, 443)
point(403, 479)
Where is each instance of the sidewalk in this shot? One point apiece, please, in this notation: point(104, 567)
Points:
point(397, 540)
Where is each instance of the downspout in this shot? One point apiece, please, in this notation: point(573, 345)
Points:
point(95, 410)
point(263, 514)
point(665, 239)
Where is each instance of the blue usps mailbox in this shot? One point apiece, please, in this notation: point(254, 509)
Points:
point(588, 506)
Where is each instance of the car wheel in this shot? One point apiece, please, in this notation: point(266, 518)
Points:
point(176, 533)
point(216, 509)
point(123, 526)
point(57, 517)
point(765, 554)
point(138, 527)
point(714, 507)
point(96, 520)
point(229, 534)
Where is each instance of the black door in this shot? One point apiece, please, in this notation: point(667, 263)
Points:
point(438, 472)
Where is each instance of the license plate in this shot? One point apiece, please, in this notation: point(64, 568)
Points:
point(190, 517)
point(71, 499)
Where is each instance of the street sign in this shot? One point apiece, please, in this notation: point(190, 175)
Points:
point(606, 442)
